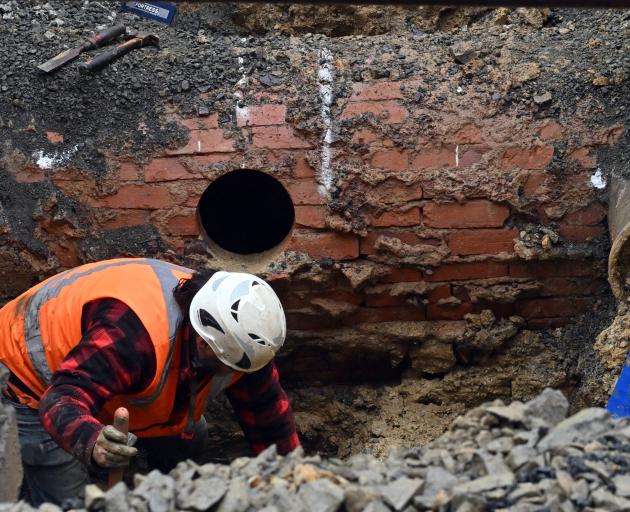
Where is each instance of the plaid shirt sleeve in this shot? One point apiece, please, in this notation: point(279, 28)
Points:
point(263, 410)
point(115, 356)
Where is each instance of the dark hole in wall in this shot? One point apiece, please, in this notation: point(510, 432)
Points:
point(246, 212)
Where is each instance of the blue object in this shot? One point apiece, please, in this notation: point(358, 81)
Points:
point(619, 402)
point(158, 11)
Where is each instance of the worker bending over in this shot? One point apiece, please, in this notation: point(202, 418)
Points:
point(154, 337)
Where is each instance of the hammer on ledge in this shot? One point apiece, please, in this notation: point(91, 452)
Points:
point(109, 56)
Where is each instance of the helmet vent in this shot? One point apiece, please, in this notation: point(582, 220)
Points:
point(255, 283)
point(234, 310)
point(207, 320)
point(244, 363)
point(258, 339)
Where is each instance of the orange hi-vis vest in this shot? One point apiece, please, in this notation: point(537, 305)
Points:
point(41, 326)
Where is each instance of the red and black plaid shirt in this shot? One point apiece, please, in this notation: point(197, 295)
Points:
point(114, 338)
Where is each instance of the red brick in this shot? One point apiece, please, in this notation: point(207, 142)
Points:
point(31, 174)
point(204, 141)
point(581, 233)
point(303, 169)
point(278, 137)
point(471, 156)
point(535, 181)
point(403, 275)
point(409, 217)
point(338, 246)
point(364, 136)
point(66, 252)
point(438, 293)
point(384, 299)
point(547, 323)
point(183, 225)
point(387, 314)
point(468, 134)
point(551, 131)
point(390, 111)
point(54, 137)
point(311, 216)
point(482, 241)
point(376, 91)
point(393, 191)
point(562, 286)
point(368, 242)
point(136, 197)
point(590, 215)
point(305, 191)
point(553, 307)
point(261, 115)
point(209, 159)
point(391, 160)
point(547, 269)
point(448, 312)
point(466, 271)
point(434, 158)
point(126, 218)
point(166, 169)
point(127, 171)
point(584, 158)
point(472, 214)
point(527, 158)
point(201, 123)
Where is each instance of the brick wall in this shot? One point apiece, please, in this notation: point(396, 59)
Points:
point(439, 204)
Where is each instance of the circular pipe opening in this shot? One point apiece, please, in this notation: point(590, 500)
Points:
point(245, 213)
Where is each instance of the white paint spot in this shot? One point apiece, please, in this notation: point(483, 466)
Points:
point(457, 155)
point(56, 159)
point(598, 180)
point(325, 77)
point(198, 146)
point(459, 90)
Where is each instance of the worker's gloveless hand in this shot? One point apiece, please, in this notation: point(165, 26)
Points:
point(111, 450)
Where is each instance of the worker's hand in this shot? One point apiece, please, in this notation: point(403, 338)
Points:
point(111, 450)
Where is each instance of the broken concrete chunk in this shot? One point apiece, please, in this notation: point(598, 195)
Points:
point(399, 492)
point(583, 426)
point(321, 496)
point(203, 494)
point(485, 483)
point(551, 406)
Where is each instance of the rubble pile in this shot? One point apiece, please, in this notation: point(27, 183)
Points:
point(522, 456)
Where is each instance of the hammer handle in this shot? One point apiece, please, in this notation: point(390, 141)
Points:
point(109, 56)
point(121, 423)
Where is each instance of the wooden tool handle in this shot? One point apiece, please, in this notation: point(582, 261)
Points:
point(121, 423)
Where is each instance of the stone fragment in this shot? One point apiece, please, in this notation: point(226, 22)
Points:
point(399, 492)
point(622, 485)
point(94, 497)
point(543, 99)
point(202, 494)
point(237, 497)
point(156, 491)
point(583, 426)
point(357, 498)
point(551, 406)
point(519, 455)
point(463, 52)
point(608, 501)
point(436, 479)
point(377, 506)
point(321, 496)
point(116, 498)
point(485, 483)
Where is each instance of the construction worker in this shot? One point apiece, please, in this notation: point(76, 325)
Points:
point(154, 337)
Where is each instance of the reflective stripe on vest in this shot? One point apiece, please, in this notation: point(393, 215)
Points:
point(32, 330)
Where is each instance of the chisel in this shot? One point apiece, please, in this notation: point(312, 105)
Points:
point(109, 56)
point(94, 42)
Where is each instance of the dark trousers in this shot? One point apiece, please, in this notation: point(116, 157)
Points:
point(53, 475)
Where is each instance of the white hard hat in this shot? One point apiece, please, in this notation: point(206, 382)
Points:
point(241, 318)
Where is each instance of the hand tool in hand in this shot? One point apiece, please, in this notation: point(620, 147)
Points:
point(121, 423)
point(109, 56)
point(97, 41)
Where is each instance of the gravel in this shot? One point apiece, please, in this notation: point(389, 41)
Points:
point(492, 458)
